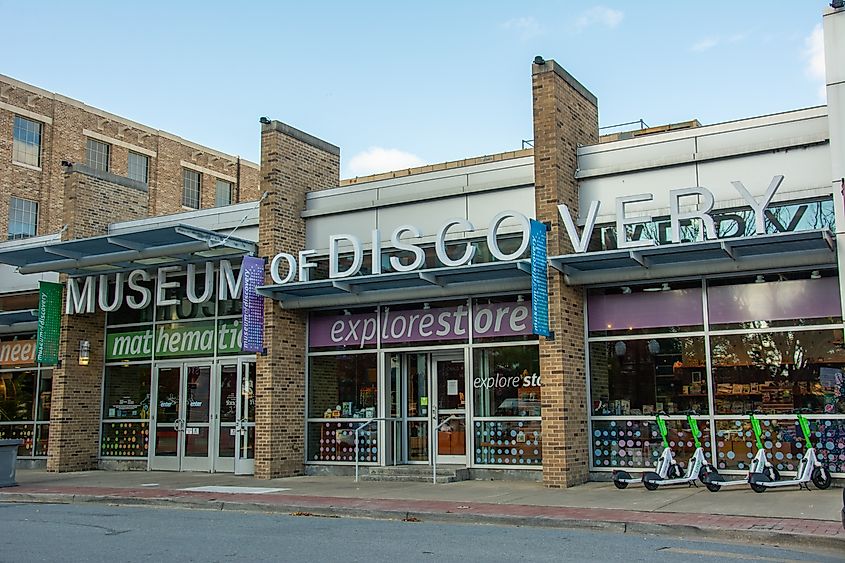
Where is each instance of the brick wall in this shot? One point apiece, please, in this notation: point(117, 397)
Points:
point(292, 163)
point(565, 115)
point(77, 390)
point(64, 125)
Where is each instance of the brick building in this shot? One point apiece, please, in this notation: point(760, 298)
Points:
point(692, 269)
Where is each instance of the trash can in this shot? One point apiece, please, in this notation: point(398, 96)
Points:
point(8, 460)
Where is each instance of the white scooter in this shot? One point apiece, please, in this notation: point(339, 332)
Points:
point(760, 464)
point(810, 468)
point(698, 468)
point(666, 465)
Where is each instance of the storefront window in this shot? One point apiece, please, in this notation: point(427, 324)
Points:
point(506, 381)
point(648, 376)
point(342, 386)
point(17, 395)
point(45, 394)
point(126, 392)
point(779, 372)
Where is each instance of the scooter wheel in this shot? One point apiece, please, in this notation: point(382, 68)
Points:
point(821, 477)
point(757, 488)
point(713, 487)
point(620, 485)
point(650, 480)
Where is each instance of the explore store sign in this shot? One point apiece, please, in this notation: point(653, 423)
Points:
point(706, 202)
point(133, 289)
point(419, 325)
point(402, 239)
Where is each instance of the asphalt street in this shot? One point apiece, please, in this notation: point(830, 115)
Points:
point(40, 532)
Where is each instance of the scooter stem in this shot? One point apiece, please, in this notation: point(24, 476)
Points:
point(661, 425)
point(755, 425)
point(693, 424)
point(805, 428)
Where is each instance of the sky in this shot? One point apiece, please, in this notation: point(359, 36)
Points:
point(397, 84)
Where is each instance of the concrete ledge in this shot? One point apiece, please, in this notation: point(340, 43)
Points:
point(108, 177)
point(306, 138)
point(552, 66)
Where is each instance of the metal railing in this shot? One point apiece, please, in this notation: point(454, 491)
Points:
point(364, 425)
point(434, 445)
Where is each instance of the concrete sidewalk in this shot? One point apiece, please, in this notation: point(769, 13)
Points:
point(789, 516)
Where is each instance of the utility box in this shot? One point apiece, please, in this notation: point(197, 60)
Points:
point(8, 461)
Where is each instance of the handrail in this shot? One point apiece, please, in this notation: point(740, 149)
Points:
point(434, 445)
point(364, 424)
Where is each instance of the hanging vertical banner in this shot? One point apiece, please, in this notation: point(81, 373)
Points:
point(539, 280)
point(252, 316)
point(49, 323)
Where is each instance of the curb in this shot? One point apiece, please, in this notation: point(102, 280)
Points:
point(769, 537)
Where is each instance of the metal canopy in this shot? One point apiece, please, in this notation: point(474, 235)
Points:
point(416, 285)
point(11, 318)
point(742, 254)
point(138, 249)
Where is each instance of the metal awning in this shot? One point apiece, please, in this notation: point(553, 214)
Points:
point(416, 285)
point(741, 254)
point(12, 318)
point(139, 249)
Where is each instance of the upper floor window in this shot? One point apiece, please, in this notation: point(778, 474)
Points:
point(190, 188)
point(97, 155)
point(26, 147)
point(137, 166)
point(223, 193)
point(23, 218)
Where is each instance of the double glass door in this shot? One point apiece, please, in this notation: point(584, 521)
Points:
point(204, 416)
point(431, 393)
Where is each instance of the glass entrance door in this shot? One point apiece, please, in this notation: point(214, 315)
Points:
point(448, 381)
point(182, 418)
point(235, 451)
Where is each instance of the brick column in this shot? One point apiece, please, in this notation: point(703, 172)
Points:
point(292, 163)
point(77, 390)
point(565, 116)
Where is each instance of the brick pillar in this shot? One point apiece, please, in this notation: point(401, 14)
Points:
point(292, 163)
point(565, 116)
point(93, 199)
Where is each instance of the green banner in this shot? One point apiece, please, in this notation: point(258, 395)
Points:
point(176, 341)
point(49, 323)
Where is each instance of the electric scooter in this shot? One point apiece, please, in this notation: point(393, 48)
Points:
point(760, 464)
point(697, 467)
point(666, 465)
point(810, 468)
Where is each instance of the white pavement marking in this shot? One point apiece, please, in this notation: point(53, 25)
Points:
point(149, 484)
point(235, 490)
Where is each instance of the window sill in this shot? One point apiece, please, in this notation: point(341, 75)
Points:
point(187, 208)
point(27, 166)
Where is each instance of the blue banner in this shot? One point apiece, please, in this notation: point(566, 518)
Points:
point(539, 280)
point(252, 316)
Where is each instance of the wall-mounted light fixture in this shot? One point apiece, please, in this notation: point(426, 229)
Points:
point(84, 352)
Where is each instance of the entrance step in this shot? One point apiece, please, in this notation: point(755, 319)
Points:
point(417, 473)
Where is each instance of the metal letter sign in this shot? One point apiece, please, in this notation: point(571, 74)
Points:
point(539, 280)
point(49, 323)
point(253, 305)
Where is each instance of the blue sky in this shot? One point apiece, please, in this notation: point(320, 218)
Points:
point(396, 84)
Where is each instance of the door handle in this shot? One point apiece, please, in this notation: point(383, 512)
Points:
point(177, 425)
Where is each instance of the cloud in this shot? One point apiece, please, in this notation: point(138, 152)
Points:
point(715, 40)
point(525, 27)
point(814, 53)
point(705, 44)
point(379, 159)
point(599, 15)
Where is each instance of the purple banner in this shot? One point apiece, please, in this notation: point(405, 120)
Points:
point(252, 315)
point(774, 301)
point(419, 325)
point(678, 307)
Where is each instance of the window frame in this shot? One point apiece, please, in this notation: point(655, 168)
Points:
point(189, 175)
point(31, 210)
point(92, 149)
point(129, 168)
point(229, 189)
point(17, 150)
